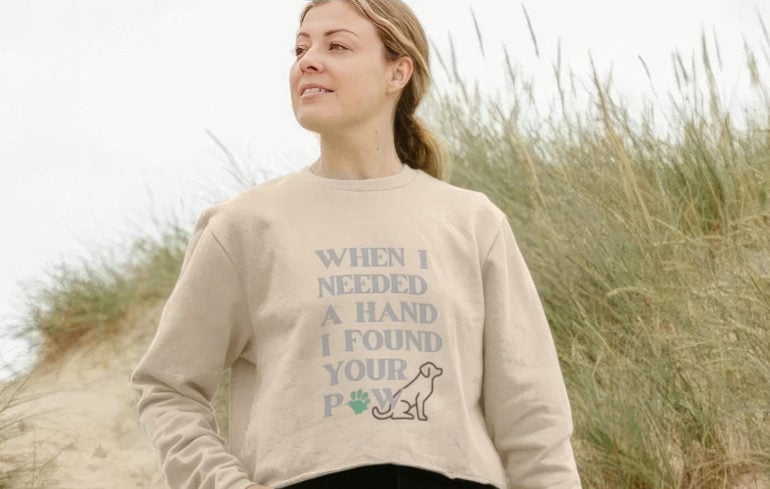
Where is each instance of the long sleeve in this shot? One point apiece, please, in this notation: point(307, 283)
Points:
point(204, 327)
point(525, 400)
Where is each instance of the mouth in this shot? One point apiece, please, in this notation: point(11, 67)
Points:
point(314, 92)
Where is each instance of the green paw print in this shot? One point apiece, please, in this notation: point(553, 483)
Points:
point(359, 401)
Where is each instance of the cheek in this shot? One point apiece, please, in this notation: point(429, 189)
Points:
point(293, 82)
point(294, 73)
point(361, 83)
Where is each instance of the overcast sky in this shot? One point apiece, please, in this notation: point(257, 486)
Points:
point(104, 106)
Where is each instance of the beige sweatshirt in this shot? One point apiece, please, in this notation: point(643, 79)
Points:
point(383, 320)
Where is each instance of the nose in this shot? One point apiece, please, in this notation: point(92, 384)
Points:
point(310, 60)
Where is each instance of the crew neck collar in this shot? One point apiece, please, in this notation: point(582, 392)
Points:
point(406, 175)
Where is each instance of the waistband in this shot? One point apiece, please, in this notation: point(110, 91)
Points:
point(387, 476)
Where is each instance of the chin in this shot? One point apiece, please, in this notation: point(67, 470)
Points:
point(317, 124)
point(312, 126)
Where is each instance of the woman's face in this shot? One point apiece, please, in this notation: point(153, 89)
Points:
point(341, 51)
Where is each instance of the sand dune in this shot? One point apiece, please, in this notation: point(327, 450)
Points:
point(83, 419)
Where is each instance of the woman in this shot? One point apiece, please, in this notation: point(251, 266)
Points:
point(381, 324)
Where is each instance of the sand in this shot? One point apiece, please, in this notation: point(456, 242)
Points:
point(82, 418)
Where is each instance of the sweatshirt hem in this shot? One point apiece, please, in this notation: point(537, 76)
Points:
point(320, 473)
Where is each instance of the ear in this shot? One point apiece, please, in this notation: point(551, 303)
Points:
point(425, 369)
point(401, 73)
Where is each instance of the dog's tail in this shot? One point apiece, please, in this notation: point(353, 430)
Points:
point(382, 414)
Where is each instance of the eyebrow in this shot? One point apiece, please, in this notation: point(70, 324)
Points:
point(328, 33)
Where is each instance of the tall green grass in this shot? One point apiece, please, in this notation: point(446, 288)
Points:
point(652, 257)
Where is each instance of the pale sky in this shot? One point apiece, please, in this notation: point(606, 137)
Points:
point(104, 106)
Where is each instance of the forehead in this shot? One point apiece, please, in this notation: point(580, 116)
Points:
point(333, 17)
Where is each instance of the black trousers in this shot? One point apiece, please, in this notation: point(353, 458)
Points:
point(387, 476)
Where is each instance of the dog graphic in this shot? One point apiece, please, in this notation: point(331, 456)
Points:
point(412, 396)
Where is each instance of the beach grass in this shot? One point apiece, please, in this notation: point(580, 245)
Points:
point(652, 257)
point(19, 468)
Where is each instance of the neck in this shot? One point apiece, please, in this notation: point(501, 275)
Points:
point(358, 154)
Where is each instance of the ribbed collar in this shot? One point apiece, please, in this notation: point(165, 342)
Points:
point(406, 175)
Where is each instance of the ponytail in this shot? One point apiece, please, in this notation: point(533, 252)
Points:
point(417, 146)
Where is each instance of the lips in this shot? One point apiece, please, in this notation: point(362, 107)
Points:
point(313, 89)
point(313, 94)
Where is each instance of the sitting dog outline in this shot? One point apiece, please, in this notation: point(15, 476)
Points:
point(412, 395)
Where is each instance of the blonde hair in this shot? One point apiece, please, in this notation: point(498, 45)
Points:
point(402, 35)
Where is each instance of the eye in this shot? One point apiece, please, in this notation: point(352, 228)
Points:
point(332, 47)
